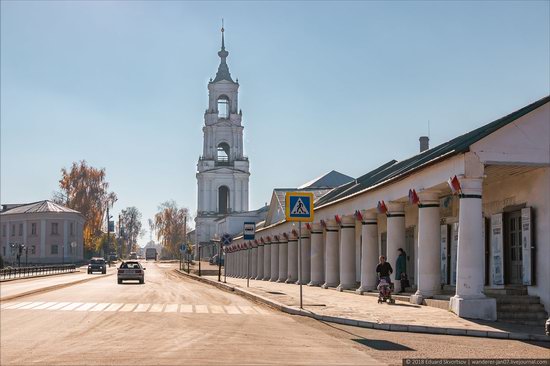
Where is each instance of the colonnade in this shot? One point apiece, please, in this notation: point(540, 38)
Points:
point(328, 251)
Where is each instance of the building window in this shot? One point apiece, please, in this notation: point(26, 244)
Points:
point(223, 107)
point(223, 152)
point(4, 230)
point(71, 229)
point(33, 228)
point(20, 229)
point(33, 249)
point(55, 249)
point(13, 230)
point(55, 228)
point(4, 251)
point(223, 197)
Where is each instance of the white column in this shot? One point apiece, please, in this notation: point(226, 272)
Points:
point(332, 255)
point(428, 265)
point(283, 259)
point(292, 255)
point(347, 253)
point(396, 237)
point(274, 261)
point(306, 258)
point(470, 301)
point(317, 256)
point(267, 261)
point(260, 262)
point(254, 263)
point(369, 245)
point(66, 256)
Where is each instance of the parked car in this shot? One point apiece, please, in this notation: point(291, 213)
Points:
point(97, 265)
point(214, 260)
point(113, 257)
point(130, 270)
point(133, 256)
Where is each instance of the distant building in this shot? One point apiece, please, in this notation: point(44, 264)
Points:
point(46, 228)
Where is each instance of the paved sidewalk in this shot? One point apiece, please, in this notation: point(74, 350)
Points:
point(26, 286)
point(353, 309)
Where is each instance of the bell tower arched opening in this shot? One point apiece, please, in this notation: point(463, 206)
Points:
point(223, 106)
point(223, 200)
point(223, 152)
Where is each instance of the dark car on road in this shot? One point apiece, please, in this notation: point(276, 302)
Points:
point(97, 265)
point(130, 270)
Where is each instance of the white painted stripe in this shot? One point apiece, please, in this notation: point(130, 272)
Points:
point(18, 305)
point(156, 308)
point(100, 306)
point(6, 304)
point(201, 309)
point(58, 306)
point(185, 308)
point(171, 308)
point(231, 309)
point(216, 309)
point(141, 308)
point(45, 305)
point(32, 305)
point(87, 306)
point(128, 307)
point(71, 306)
point(247, 309)
point(114, 307)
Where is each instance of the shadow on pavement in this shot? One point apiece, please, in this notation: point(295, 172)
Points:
point(382, 345)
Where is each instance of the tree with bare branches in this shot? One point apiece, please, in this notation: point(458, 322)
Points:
point(169, 223)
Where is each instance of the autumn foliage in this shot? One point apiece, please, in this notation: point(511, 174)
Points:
point(170, 225)
point(84, 188)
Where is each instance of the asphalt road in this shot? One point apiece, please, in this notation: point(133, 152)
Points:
point(171, 320)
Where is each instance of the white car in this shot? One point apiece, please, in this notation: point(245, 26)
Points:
point(131, 270)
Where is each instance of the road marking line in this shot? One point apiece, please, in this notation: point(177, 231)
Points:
point(128, 307)
point(216, 309)
point(101, 306)
point(156, 308)
point(18, 305)
point(201, 309)
point(45, 305)
point(58, 306)
point(232, 309)
point(247, 309)
point(184, 308)
point(171, 308)
point(6, 304)
point(32, 305)
point(87, 306)
point(141, 308)
point(72, 306)
point(114, 307)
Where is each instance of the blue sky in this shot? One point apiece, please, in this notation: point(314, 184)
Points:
point(324, 85)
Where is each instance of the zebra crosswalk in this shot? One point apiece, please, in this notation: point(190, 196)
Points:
point(135, 307)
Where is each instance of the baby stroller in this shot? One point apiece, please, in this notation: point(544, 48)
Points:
point(385, 288)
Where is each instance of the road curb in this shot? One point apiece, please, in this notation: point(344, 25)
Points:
point(52, 288)
point(369, 324)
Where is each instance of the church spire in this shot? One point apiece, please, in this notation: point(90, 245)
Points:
point(223, 69)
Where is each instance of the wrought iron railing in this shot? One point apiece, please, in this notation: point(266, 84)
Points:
point(23, 272)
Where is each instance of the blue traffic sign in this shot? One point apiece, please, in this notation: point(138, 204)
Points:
point(226, 239)
point(299, 206)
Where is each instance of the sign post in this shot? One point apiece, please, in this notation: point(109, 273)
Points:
point(226, 239)
point(249, 233)
point(299, 208)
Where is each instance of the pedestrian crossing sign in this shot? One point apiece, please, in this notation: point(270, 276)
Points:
point(299, 206)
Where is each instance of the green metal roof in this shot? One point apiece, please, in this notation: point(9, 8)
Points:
point(394, 169)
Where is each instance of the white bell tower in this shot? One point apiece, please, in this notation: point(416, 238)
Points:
point(222, 170)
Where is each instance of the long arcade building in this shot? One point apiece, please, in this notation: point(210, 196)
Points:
point(487, 230)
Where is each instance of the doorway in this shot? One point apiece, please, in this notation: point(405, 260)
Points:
point(513, 253)
point(409, 249)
